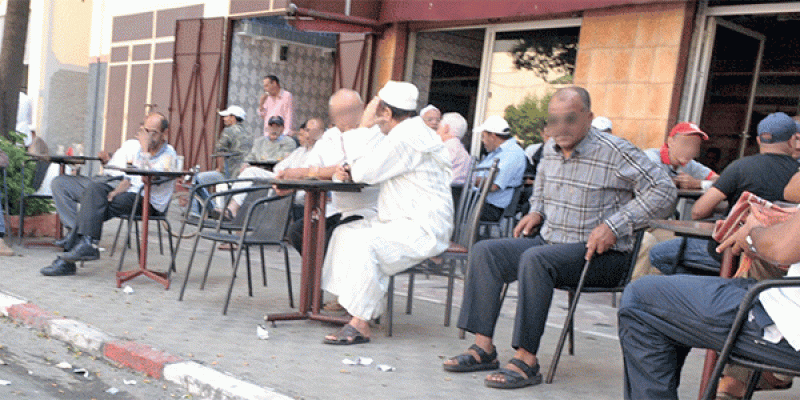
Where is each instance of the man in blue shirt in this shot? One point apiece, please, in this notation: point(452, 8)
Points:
point(496, 137)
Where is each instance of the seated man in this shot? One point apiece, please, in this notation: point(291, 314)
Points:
point(110, 195)
point(308, 135)
point(234, 139)
point(661, 318)
point(345, 110)
point(677, 156)
point(496, 137)
point(451, 129)
point(409, 228)
point(275, 146)
point(431, 116)
point(764, 174)
point(592, 190)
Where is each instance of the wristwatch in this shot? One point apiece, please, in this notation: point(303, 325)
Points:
point(750, 245)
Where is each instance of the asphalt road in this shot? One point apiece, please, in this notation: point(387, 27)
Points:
point(29, 370)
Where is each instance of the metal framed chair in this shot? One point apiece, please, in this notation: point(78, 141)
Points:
point(574, 294)
point(465, 233)
point(265, 222)
point(134, 218)
point(505, 224)
point(728, 353)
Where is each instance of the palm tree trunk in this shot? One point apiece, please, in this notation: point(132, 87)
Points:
point(11, 57)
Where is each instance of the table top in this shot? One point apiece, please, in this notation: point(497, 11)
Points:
point(269, 164)
point(149, 172)
point(316, 184)
point(698, 229)
point(690, 193)
point(62, 159)
point(227, 154)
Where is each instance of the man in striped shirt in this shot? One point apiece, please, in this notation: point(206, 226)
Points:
point(591, 191)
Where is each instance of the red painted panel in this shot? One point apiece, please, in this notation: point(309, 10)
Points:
point(117, 75)
point(479, 10)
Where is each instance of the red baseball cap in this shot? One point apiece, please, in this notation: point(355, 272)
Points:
point(687, 128)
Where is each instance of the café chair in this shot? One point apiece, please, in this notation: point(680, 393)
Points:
point(728, 354)
point(574, 293)
point(134, 218)
point(160, 219)
point(265, 221)
point(465, 233)
point(505, 225)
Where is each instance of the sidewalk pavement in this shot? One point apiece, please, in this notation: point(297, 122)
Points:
point(213, 356)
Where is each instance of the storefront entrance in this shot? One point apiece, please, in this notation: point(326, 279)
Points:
point(748, 67)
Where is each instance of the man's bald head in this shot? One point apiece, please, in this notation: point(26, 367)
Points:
point(345, 109)
point(567, 93)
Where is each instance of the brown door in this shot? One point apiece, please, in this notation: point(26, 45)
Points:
point(197, 88)
point(352, 62)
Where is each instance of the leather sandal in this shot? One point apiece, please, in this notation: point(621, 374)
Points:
point(513, 379)
point(346, 336)
point(467, 363)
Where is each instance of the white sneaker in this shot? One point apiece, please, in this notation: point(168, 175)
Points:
point(4, 249)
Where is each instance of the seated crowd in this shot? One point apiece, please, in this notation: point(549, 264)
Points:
point(589, 192)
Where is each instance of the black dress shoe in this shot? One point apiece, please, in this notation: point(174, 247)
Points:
point(59, 267)
point(69, 241)
point(83, 251)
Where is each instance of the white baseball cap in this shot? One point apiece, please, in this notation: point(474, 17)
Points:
point(236, 111)
point(495, 124)
point(602, 124)
point(402, 95)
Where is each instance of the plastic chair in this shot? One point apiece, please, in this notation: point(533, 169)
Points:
point(465, 233)
point(727, 355)
point(574, 293)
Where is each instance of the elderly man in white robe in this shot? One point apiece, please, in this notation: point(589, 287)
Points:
point(415, 209)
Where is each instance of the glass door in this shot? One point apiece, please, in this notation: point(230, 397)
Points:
point(728, 80)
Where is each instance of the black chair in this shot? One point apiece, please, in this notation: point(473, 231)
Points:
point(505, 225)
point(266, 222)
point(574, 293)
point(728, 354)
point(160, 218)
point(133, 218)
point(465, 233)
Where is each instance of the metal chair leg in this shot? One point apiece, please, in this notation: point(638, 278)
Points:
point(288, 274)
point(410, 297)
point(390, 305)
point(116, 238)
point(249, 273)
point(263, 266)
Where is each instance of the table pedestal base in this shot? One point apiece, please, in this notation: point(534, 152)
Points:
point(160, 277)
point(310, 315)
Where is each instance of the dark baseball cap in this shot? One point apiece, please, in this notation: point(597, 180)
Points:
point(776, 127)
point(275, 120)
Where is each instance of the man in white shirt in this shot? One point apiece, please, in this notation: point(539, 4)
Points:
point(345, 110)
point(415, 208)
point(431, 116)
point(110, 195)
point(662, 317)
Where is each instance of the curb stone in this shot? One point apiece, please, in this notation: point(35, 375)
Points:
point(196, 379)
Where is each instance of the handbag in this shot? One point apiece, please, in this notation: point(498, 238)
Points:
point(766, 212)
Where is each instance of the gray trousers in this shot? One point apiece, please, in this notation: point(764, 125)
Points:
point(662, 317)
point(539, 267)
point(67, 191)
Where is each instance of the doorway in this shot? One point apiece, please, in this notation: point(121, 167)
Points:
point(753, 69)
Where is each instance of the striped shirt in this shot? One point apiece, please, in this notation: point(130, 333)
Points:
point(605, 179)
